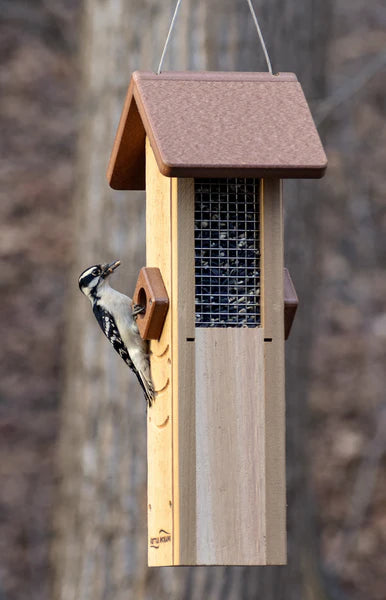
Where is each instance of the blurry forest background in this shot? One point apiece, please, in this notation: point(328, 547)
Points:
point(40, 45)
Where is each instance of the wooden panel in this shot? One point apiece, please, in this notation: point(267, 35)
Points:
point(273, 315)
point(183, 417)
point(230, 429)
point(159, 435)
point(216, 476)
point(171, 427)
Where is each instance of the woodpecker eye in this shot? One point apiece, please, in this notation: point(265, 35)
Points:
point(95, 272)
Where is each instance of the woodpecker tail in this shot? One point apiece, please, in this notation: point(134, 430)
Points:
point(147, 386)
point(149, 392)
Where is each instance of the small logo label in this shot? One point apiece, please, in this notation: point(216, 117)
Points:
point(162, 538)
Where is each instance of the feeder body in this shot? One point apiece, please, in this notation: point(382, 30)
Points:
point(216, 474)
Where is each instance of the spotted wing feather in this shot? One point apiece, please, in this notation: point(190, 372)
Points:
point(107, 324)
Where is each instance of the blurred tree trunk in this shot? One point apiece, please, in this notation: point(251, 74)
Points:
point(101, 542)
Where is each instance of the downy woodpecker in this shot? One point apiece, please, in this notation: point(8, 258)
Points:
point(116, 318)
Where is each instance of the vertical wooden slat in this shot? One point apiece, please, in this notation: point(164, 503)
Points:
point(171, 421)
point(184, 430)
point(273, 303)
point(231, 524)
point(160, 432)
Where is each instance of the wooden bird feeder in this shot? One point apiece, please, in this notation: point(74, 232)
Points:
point(211, 150)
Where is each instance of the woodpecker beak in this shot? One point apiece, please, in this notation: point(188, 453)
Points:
point(110, 268)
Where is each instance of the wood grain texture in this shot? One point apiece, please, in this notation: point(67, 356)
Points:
point(171, 428)
point(184, 439)
point(216, 433)
point(231, 522)
point(273, 315)
point(159, 428)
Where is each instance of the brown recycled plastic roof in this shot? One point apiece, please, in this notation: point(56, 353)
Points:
point(216, 124)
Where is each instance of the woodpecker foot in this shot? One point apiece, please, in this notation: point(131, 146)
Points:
point(137, 309)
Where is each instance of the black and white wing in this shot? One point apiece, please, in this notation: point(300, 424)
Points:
point(109, 327)
point(107, 324)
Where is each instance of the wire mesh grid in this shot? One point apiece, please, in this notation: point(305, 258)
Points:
point(227, 252)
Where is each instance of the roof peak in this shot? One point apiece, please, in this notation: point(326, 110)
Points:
point(213, 76)
point(216, 124)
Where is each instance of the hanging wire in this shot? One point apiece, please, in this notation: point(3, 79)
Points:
point(168, 37)
point(259, 33)
point(260, 36)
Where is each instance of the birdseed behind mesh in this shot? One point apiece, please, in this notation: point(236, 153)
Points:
point(227, 252)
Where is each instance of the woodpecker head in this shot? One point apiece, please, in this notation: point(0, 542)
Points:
point(94, 278)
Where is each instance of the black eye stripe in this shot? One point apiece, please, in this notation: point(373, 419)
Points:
point(88, 275)
point(84, 281)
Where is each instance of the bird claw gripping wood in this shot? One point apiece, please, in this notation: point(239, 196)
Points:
point(137, 309)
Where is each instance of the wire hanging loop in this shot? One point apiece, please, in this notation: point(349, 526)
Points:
point(259, 33)
point(168, 36)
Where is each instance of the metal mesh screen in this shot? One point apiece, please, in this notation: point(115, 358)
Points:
point(227, 252)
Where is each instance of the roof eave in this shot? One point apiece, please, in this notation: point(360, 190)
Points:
point(282, 172)
point(126, 169)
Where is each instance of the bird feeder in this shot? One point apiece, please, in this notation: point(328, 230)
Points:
point(211, 150)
